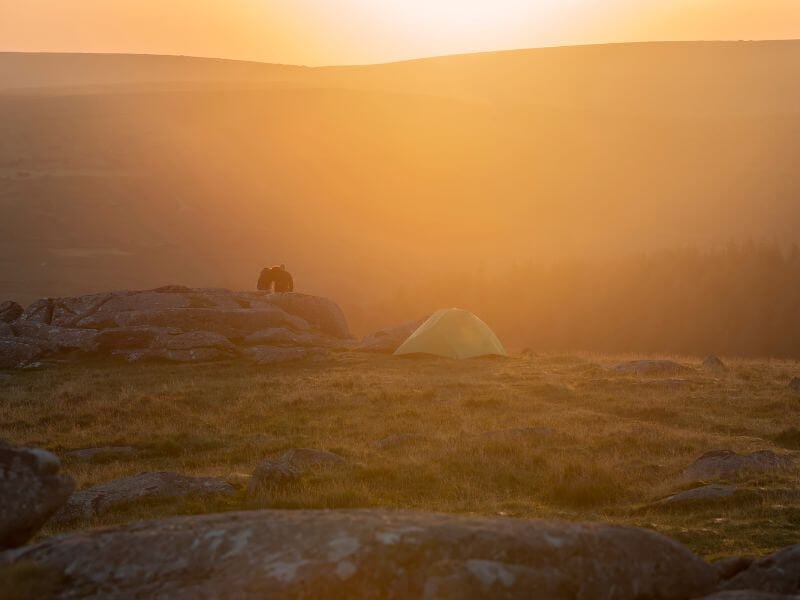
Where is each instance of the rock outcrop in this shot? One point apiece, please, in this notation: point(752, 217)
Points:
point(31, 491)
point(390, 339)
point(173, 323)
point(725, 464)
point(164, 486)
point(370, 554)
point(10, 312)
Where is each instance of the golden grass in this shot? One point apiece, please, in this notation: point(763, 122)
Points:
point(619, 442)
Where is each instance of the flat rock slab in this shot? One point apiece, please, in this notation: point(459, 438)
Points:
point(794, 384)
point(706, 493)
point(370, 554)
point(31, 490)
point(725, 464)
point(101, 452)
point(778, 573)
point(161, 485)
point(651, 367)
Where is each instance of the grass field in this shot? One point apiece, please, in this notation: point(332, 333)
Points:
point(618, 441)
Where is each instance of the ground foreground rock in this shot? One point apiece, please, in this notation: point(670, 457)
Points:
point(101, 498)
point(370, 554)
point(31, 490)
point(725, 464)
point(778, 573)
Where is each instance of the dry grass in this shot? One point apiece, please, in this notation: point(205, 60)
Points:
point(619, 441)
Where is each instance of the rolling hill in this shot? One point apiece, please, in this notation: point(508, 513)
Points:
point(135, 171)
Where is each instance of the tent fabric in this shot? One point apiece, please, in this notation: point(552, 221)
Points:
point(453, 333)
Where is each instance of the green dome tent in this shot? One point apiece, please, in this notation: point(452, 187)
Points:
point(453, 333)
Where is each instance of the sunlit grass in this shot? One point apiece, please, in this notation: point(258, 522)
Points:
point(618, 442)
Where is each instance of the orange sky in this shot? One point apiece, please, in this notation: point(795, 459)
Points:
point(362, 31)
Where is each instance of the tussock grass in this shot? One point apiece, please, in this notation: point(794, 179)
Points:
point(619, 441)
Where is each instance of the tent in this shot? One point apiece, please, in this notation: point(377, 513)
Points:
point(453, 333)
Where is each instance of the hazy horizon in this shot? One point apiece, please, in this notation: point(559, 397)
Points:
point(356, 32)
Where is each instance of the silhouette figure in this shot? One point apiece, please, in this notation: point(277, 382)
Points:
point(278, 277)
point(283, 279)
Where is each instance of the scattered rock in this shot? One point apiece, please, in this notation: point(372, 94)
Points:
point(371, 554)
point(5, 377)
point(17, 352)
point(778, 573)
point(651, 367)
point(725, 464)
point(794, 384)
point(390, 339)
point(747, 595)
point(706, 493)
point(6, 331)
point(520, 433)
point(162, 485)
point(714, 364)
point(272, 474)
point(101, 452)
point(31, 490)
point(289, 466)
point(400, 439)
point(271, 355)
point(10, 311)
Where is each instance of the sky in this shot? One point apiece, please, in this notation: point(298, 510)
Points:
point(323, 32)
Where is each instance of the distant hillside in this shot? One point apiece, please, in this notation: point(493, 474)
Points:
point(121, 171)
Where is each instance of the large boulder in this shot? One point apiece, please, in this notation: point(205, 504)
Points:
point(31, 490)
point(390, 339)
point(778, 573)
point(726, 464)
point(162, 485)
point(18, 352)
point(10, 311)
point(232, 323)
point(196, 346)
point(369, 554)
point(322, 314)
point(55, 338)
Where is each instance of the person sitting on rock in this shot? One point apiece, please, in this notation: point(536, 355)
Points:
point(266, 279)
point(283, 279)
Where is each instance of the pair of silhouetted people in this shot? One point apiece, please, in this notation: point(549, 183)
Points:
point(278, 277)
